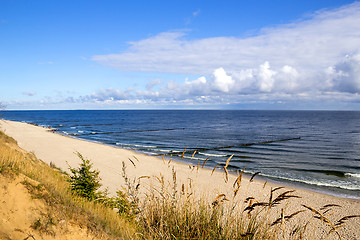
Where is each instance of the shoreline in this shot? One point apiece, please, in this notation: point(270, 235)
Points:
point(297, 185)
point(148, 171)
point(262, 178)
point(325, 190)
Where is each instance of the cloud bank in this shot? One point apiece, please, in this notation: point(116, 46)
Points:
point(318, 54)
point(311, 60)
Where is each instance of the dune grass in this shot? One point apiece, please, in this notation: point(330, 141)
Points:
point(52, 186)
point(163, 209)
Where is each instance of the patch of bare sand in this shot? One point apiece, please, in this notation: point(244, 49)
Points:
point(24, 217)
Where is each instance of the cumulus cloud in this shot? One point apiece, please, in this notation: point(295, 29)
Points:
point(266, 80)
point(316, 58)
point(307, 45)
point(306, 58)
point(345, 75)
point(222, 81)
point(253, 85)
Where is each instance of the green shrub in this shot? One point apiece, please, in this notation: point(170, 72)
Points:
point(84, 181)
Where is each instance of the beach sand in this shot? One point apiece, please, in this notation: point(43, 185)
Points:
point(60, 150)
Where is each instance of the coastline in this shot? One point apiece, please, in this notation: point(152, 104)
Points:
point(129, 152)
point(320, 155)
point(59, 149)
point(289, 183)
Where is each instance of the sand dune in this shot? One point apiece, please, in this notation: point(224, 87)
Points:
point(60, 150)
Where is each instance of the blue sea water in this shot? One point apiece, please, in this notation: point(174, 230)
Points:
point(320, 151)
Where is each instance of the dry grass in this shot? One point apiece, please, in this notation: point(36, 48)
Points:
point(171, 210)
point(53, 189)
point(166, 209)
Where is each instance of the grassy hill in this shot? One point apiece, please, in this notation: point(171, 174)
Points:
point(36, 203)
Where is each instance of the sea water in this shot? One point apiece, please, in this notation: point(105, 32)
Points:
point(318, 150)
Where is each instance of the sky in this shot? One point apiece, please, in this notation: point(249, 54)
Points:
point(180, 54)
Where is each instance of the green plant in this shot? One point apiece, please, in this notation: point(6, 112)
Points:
point(84, 181)
point(45, 224)
point(126, 201)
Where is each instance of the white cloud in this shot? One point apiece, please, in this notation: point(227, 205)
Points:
point(110, 94)
point(308, 46)
point(195, 87)
point(30, 93)
point(340, 82)
point(345, 75)
point(266, 80)
point(302, 57)
point(150, 85)
point(222, 81)
point(317, 59)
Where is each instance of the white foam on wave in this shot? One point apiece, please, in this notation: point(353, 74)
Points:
point(194, 158)
point(212, 155)
point(162, 150)
point(73, 127)
point(354, 175)
point(135, 145)
point(80, 131)
point(149, 153)
point(317, 183)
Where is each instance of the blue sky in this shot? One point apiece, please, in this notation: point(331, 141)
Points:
point(180, 54)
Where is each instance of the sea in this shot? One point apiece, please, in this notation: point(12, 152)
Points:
point(315, 150)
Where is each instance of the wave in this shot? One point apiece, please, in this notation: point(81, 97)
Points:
point(327, 172)
point(242, 157)
point(316, 183)
point(149, 153)
point(354, 175)
point(73, 127)
point(162, 150)
point(195, 158)
point(213, 155)
point(135, 145)
point(340, 174)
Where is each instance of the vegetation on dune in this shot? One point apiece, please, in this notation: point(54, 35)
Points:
point(51, 186)
point(84, 181)
point(151, 207)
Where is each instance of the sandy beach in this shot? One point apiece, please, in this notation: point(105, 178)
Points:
point(60, 150)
